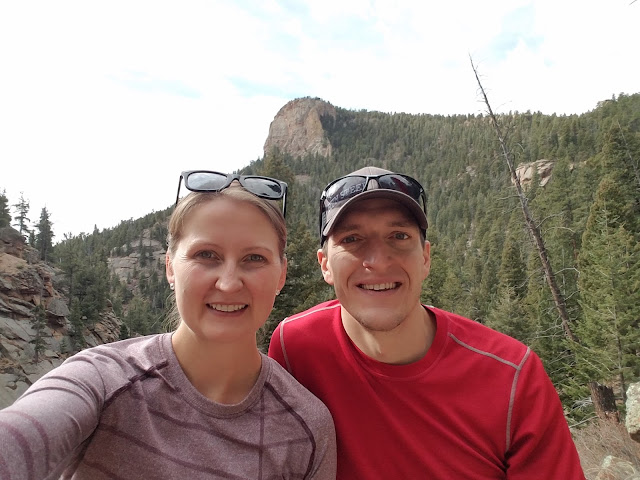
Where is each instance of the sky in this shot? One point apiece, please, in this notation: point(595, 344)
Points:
point(103, 104)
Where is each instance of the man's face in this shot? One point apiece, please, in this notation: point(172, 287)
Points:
point(376, 262)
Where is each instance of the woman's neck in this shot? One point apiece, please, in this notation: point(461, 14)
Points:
point(224, 373)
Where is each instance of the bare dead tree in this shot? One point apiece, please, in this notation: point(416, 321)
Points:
point(558, 298)
point(601, 395)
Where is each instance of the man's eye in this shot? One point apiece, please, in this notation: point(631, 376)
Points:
point(400, 236)
point(349, 239)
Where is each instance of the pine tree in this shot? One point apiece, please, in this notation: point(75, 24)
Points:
point(511, 274)
point(77, 326)
point(5, 214)
point(433, 287)
point(507, 315)
point(609, 279)
point(139, 319)
point(21, 218)
point(38, 323)
point(44, 237)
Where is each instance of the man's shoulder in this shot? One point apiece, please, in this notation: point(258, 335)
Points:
point(480, 339)
point(302, 332)
point(320, 313)
point(293, 392)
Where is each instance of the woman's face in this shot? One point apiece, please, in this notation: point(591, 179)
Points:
point(226, 270)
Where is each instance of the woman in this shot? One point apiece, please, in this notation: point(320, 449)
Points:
point(201, 402)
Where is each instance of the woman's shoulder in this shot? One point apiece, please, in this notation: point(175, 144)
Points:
point(121, 360)
point(292, 393)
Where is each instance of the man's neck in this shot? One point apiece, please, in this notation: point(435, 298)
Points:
point(406, 343)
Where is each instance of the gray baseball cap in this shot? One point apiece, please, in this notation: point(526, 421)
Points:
point(367, 183)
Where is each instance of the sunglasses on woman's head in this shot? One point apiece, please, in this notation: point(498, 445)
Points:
point(208, 181)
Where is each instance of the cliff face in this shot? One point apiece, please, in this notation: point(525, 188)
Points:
point(525, 172)
point(25, 283)
point(297, 128)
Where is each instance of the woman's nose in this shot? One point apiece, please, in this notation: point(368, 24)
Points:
point(229, 279)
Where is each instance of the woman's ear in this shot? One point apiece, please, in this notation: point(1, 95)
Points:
point(283, 275)
point(169, 269)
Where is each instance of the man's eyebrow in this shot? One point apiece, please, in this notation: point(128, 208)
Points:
point(344, 227)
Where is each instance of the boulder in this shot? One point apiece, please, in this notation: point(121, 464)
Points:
point(632, 421)
point(614, 468)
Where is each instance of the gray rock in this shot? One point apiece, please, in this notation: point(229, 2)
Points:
point(58, 308)
point(5, 284)
point(8, 379)
point(4, 306)
point(16, 329)
point(632, 421)
point(614, 468)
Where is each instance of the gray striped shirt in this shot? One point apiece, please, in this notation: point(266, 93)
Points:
point(126, 410)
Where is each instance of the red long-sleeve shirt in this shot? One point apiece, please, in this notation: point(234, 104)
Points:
point(478, 405)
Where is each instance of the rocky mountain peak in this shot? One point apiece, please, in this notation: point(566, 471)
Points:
point(298, 130)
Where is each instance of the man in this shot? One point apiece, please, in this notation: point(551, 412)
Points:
point(415, 392)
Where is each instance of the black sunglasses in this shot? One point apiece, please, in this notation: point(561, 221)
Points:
point(208, 181)
point(342, 189)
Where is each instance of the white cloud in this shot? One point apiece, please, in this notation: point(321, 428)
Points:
point(103, 104)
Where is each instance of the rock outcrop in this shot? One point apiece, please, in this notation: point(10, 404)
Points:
point(25, 283)
point(525, 172)
point(132, 267)
point(298, 129)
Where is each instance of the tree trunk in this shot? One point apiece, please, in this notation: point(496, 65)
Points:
point(604, 402)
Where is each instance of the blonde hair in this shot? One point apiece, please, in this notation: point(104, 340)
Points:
point(236, 192)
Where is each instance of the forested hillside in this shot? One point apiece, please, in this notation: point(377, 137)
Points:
point(484, 265)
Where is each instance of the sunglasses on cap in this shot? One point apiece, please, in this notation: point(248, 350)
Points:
point(208, 181)
point(345, 188)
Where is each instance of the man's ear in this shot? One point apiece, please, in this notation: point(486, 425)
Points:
point(426, 255)
point(324, 266)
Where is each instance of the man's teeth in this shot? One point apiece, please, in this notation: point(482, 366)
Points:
point(380, 286)
point(226, 308)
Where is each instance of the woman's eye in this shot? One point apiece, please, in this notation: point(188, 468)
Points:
point(254, 257)
point(205, 254)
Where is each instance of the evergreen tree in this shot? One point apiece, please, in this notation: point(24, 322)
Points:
point(508, 316)
point(511, 275)
point(77, 326)
point(609, 279)
point(38, 323)
point(21, 218)
point(139, 319)
point(452, 295)
point(44, 237)
point(5, 214)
